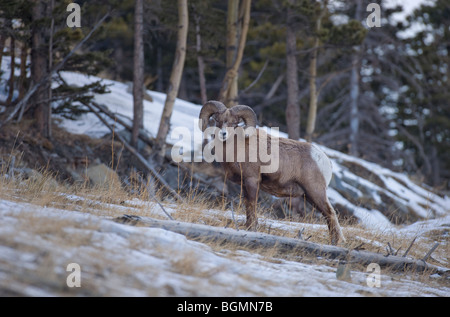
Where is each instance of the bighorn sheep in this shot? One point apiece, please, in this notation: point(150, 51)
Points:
point(303, 169)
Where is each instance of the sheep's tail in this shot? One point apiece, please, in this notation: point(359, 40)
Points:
point(323, 162)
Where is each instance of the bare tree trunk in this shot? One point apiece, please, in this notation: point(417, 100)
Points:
point(228, 91)
point(435, 168)
point(2, 46)
point(354, 96)
point(354, 92)
point(138, 72)
point(311, 124)
point(50, 66)
point(175, 78)
point(182, 90)
point(39, 69)
point(11, 74)
point(292, 107)
point(232, 42)
point(200, 61)
point(313, 93)
point(232, 22)
point(23, 69)
point(3, 37)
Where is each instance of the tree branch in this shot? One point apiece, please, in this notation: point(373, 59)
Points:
point(257, 78)
point(140, 158)
point(144, 137)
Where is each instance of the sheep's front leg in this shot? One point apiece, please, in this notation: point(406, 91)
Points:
point(251, 199)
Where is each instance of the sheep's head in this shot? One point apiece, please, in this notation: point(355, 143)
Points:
point(226, 119)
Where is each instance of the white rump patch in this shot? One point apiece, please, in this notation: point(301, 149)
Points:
point(323, 162)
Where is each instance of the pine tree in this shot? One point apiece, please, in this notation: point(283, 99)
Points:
point(423, 116)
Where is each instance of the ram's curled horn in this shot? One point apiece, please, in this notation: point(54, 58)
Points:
point(248, 116)
point(245, 113)
point(208, 109)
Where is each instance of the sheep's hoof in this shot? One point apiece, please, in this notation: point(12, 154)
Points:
point(251, 226)
point(338, 240)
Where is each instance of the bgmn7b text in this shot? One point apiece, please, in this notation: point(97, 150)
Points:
point(247, 306)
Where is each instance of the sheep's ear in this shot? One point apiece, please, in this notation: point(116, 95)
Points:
point(212, 120)
point(249, 131)
point(209, 109)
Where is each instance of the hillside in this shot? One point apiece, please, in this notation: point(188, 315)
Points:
point(374, 195)
point(46, 225)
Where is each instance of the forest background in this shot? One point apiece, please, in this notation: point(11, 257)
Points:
point(322, 70)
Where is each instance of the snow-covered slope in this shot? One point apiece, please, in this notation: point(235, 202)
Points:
point(374, 195)
point(38, 244)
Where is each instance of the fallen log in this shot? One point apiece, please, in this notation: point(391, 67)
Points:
point(284, 244)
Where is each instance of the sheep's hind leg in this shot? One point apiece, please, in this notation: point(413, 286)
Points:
point(321, 202)
point(333, 225)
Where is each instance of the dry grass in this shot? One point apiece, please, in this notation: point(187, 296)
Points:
point(42, 189)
